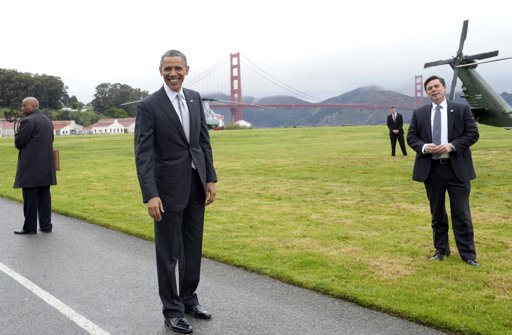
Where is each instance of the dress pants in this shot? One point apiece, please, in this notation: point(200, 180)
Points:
point(179, 240)
point(37, 201)
point(400, 137)
point(442, 179)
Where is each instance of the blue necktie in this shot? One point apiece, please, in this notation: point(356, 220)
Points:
point(436, 129)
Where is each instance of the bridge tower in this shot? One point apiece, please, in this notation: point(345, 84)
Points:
point(418, 90)
point(237, 112)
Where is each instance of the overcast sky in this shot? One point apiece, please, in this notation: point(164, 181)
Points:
point(321, 47)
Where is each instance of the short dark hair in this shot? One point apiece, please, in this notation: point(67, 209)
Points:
point(429, 79)
point(173, 53)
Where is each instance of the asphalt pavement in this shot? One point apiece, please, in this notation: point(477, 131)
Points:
point(85, 279)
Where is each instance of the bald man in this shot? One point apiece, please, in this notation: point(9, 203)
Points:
point(36, 167)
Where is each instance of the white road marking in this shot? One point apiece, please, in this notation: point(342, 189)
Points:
point(84, 323)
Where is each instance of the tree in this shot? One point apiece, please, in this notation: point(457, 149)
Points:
point(14, 115)
point(15, 86)
point(117, 113)
point(74, 103)
point(110, 96)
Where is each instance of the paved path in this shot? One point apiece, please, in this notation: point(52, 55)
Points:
point(85, 279)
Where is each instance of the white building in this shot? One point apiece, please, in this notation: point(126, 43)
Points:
point(129, 125)
point(243, 124)
point(6, 128)
point(113, 126)
point(67, 128)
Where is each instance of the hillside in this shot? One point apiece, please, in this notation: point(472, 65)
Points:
point(295, 117)
point(307, 117)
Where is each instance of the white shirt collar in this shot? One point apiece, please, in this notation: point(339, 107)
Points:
point(172, 94)
point(443, 104)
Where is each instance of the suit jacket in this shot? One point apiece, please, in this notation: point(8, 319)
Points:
point(462, 133)
point(397, 124)
point(34, 140)
point(162, 153)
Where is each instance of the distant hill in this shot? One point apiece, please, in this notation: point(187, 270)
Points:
point(296, 117)
point(370, 95)
point(508, 97)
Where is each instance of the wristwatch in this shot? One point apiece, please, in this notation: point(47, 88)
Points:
point(452, 147)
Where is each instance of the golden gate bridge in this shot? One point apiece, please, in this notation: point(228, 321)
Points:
point(236, 104)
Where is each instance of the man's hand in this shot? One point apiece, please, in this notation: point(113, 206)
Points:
point(155, 208)
point(211, 193)
point(432, 148)
point(442, 149)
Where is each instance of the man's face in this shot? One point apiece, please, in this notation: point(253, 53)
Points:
point(174, 70)
point(436, 91)
point(27, 107)
point(392, 110)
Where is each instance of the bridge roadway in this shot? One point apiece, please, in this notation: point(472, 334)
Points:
point(85, 279)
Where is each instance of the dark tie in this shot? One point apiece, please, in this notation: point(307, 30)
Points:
point(436, 128)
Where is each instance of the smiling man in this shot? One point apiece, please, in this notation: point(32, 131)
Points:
point(441, 133)
point(177, 178)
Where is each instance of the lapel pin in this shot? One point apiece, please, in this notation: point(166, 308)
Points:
point(191, 100)
point(451, 110)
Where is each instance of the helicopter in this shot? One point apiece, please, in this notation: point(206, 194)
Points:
point(487, 106)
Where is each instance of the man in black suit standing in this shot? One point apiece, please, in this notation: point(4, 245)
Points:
point(36, 167)
point(396, 130)
point(177, 178)
point(441, 133)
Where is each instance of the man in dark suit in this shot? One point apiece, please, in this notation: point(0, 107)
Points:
point(441, 133)
point(36, 167)
point(177, 178)
point(396, 130)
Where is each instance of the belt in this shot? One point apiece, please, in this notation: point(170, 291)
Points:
point(442, 161)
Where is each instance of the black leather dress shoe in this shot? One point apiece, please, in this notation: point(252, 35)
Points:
point(440, 255)
point(178, 325)
point(437, 257)
point(45, 230)
point(198, 312)
point(24, 232)
point(472, 262)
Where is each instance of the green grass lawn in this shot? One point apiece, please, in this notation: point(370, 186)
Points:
point(324, 208)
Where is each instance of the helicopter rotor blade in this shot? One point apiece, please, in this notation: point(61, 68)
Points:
point(244, 104)
point(454, 83)
point(436, 63)
point(463, 36)
point(130, 102)
point(487, 61)
point(483, 55)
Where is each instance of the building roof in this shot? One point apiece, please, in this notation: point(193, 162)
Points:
point(126, 121)
point(6, 125)
point(108, 122)
point(58, 125)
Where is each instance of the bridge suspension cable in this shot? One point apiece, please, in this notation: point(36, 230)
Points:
point(265, 75)
point(206, 73)
point(405, 87)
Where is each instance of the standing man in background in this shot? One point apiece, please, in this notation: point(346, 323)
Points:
point(36, 167)
point(176, 175)
point(396, 130)
point(441, 134)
